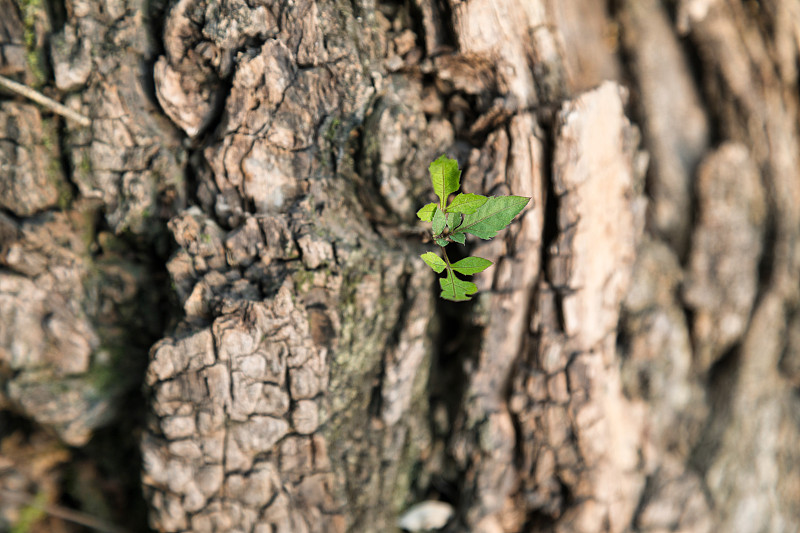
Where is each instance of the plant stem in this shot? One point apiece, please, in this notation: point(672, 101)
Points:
point(451, 276)
point(447, 260)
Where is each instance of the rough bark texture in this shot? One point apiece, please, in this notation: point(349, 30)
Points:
point(236, 232)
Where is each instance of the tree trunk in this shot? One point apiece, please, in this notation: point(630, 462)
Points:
point(236, 229)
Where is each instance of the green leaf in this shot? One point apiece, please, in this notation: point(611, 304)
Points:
point(494, 215)
point(434, 261)
point(458, 237)
point(445, 178)
point(439, 221)
point(469, 265)
point(466, 203)
point(455, 289)
point(426, 213)
point(441, 242)
point(453, 221)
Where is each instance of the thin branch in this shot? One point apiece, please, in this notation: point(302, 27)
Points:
point(62, 512)
point(43, 100)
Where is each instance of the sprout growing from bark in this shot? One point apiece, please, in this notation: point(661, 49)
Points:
point(452, 219)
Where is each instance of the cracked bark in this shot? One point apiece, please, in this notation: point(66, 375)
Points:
point(631, 363)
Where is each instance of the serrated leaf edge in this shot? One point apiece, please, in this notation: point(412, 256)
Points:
point(465, 229)
point(460, 270)
point(431, 261)
point(421, 209)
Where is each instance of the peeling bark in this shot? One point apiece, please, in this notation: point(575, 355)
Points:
point(236, 228)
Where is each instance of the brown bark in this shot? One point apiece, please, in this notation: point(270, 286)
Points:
point(630, 364)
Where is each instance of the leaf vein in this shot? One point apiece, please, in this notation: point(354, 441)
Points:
point(487, 217)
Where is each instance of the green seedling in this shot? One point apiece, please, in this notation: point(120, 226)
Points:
point(452, 219)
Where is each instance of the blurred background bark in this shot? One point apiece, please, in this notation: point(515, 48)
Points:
point(212, 312)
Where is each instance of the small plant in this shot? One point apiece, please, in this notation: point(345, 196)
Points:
point(466, 213)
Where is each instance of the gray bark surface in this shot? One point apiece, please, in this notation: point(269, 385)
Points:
point(235, 234)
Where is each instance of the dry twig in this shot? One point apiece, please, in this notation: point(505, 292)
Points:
point(43, 100)
point(63, 513)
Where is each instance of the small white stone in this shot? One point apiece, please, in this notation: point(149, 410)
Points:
point(426, 515)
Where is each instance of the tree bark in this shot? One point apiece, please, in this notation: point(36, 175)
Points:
point(236, 230)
